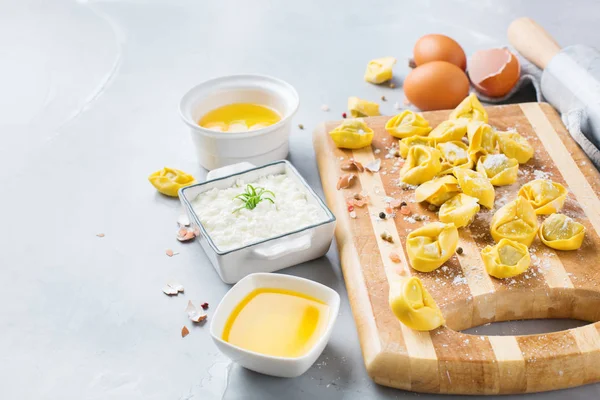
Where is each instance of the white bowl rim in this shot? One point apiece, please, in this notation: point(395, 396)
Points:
point(237, 135)
point(334, 310)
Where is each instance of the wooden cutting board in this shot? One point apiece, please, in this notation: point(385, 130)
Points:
point(557, 285)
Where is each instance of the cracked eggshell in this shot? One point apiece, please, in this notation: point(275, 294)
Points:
point(494, 72)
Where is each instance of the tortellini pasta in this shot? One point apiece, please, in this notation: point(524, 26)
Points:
point(352, 134)
point(514, 146)
point(431, 245)
point(380, 70)
point(459, 210)
point(405, 144)
point(482, 139)
point(545, 196)
point(561, 232)
point(449, 131)
point(362, 108)
point(476, 185)
point(422, 164)
point(406, 124)
point(412, 304)
point(437, 191)
point(471, 109)
point(506, 259)
point(454, 155)
point(515, 221)
point(500, 169)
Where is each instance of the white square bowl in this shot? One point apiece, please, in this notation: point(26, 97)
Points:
point(269, 255)
point(285, 367)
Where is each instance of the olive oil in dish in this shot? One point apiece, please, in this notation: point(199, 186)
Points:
point(277, 322)
point(239, 117)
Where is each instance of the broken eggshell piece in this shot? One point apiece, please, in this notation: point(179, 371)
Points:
point(494, 72)
point(195, 314)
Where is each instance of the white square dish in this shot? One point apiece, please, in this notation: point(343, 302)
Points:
point(286, 367)
point(268, 255)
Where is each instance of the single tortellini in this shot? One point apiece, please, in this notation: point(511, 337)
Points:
point(380, 70)
point(413, 305)
point(477, 185)
point(506, 259)
point(449, 131)
point(437, 191)
point(454, 155)
point(422, 163)
point(561, 232)
point(360, 108)
point(352, 134)
point(471, 109)
point(545, 196)
point(515, 221)
point(405, 144)
point(500, 169)
point(431, 245)
point(459, 210)
point(168, 181)
point(406, 124)
point(482, 139)
point(514, 146)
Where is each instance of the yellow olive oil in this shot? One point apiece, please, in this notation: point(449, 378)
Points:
point(239, 117)
point(277, 322)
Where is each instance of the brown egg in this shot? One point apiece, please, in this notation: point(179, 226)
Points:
point(436, 47)
point(494, 72)
point(437, 85)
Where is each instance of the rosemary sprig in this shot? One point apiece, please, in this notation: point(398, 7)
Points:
point(252, 196)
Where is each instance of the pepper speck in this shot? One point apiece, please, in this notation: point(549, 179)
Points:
point(459, 250)
point(343, 115)
point(350, 208)
point(382, 215)
point(204, 306)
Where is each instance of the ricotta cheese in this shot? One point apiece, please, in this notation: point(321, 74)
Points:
point(228, 230)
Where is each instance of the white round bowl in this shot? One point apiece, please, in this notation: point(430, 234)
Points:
point(261, 146)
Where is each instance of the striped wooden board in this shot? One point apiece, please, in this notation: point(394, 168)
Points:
point(557, 285)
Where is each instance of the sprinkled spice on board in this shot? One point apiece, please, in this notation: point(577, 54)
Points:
point(387, 237)
point(459, 250)
point(382, 215)
point(344, 115)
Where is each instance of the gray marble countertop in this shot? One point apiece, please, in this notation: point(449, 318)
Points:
point(88, 108)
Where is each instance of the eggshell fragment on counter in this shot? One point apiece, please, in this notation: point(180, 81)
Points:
point(494, 72)
point(436, 47)
point(436, 85)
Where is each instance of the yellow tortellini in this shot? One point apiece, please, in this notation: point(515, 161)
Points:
point(437, 191)
point(500, 169)
point(413, 305)
point(362, 108)
point(406, 124)
point(449, 131)
point(454, 155)
point(459, 210)
point(352, 134)
point(431, 245)
point(506, 259)
point(515, 221)
point(545, 196)
point(405, 144)
point(561, 232)
point(476, 185)
point(422, 164)
point(380, 70)
point(471, 109)
point(168, 181)
point(482, 139)
point(514, 146)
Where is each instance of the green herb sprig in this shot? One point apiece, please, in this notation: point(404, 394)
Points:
point(252, 196)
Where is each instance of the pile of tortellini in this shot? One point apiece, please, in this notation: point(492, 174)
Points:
point(459, 176)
